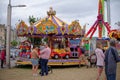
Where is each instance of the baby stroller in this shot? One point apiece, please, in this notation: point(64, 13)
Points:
point(92, 60)
point(49, 70)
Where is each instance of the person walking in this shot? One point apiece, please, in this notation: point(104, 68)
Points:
point(111, 59)
point(100, 59)
point(34, 60)
point(44, 57)
point(2, 57)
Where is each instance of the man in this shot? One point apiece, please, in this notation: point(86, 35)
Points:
point(44, 57)
point(111, 59)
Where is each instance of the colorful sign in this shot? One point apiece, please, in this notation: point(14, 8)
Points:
point(74, 28)
point(22, 28)
point(75, 42)
point(46, 27)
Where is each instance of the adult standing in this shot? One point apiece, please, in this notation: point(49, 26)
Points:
point(100, 59)
point(111, 59)
point(2, 57)
point(44, 57)
point(34, 60)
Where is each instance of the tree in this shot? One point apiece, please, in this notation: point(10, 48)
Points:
point(32, 20)
point(35, 41)
point(14, 43)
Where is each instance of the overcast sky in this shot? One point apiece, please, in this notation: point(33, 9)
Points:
point(67, 10)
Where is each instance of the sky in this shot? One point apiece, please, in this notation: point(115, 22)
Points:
point(85, 11)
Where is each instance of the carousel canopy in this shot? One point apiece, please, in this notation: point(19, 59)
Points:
point(50, 25)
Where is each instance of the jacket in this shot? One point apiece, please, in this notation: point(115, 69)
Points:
point(111, 59)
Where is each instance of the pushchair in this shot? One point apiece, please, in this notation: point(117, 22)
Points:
point(49, 70)
point(92, 60)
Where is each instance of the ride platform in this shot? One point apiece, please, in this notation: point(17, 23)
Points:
point(53, 62)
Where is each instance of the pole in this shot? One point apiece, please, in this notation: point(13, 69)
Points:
point(108, 11)
point(8, 34)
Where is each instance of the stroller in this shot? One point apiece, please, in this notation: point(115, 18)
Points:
point(92, 60)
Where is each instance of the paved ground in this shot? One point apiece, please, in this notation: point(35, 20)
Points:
point(69, 73)
point(12, 62)
point(118, 71)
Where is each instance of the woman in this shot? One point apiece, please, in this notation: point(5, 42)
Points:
point(100, 59)
point(2, 57)
point(34, 60)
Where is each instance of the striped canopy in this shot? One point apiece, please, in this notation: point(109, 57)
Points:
point(52, 25)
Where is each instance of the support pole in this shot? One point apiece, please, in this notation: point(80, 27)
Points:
point(8, 35)
point(108, 11)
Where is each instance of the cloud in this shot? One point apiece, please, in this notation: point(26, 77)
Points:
point(67, 10)
point(115, 11)
point(3, 10)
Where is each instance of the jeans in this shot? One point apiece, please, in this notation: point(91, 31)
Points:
point(111, 76)
point(44, 67)
point(2, 62)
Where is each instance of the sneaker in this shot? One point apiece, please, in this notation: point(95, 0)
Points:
point(33, 74)
point(42, 75)
point(39, 72)
point(46, 74)
point(36, 74)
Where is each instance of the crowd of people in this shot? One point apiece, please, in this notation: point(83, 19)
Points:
point(105, 60)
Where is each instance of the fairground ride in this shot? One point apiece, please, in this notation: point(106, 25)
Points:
point(99, 23)
point(61, 38)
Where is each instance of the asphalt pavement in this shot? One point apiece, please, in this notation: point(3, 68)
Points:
point(12, 63)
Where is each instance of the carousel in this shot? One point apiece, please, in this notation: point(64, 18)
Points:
point(63, 38)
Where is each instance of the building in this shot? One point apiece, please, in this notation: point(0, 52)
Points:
point(13, 34)
point(2, 34)
point(3, 31)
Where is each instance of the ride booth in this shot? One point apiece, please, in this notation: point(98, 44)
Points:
point(74, 44)
point(25, 49)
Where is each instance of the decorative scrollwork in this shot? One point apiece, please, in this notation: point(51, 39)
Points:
point(22, 28)
point(74, 28)
point(51, 12)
